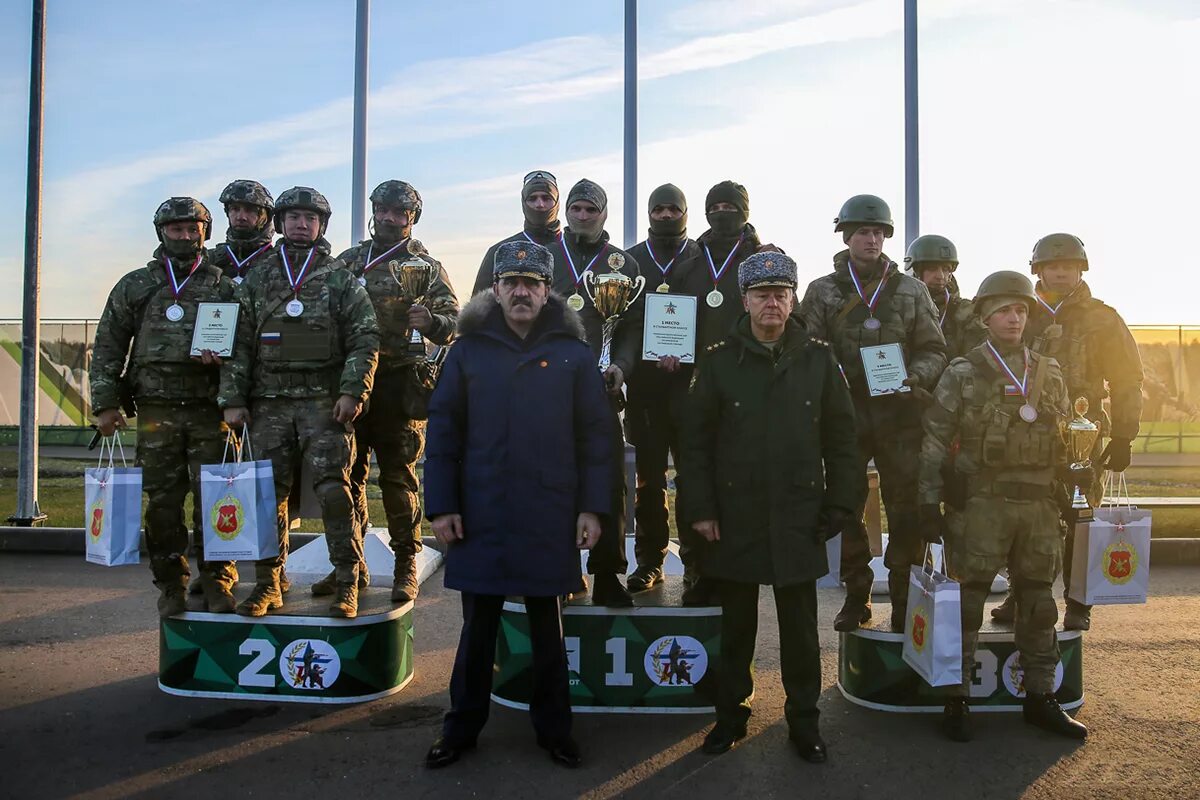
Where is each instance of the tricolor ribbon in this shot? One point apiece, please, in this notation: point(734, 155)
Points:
point(238, 265)
point(296, 281)
point(370, 263)
point(1024, 381)
point(665, 269)
point(176, 287)
point(579, 275)
point(712, 266)
point(1052, 309)
point(870, 304)
point(945, 310)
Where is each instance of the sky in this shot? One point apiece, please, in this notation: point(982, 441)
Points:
point(1036, 116)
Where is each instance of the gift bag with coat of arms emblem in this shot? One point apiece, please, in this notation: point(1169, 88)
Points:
point(1110, 564)
point(238, 498)
point(112, 508)
point(933, 625)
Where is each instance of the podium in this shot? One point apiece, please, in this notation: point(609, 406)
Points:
point(872, 672)
point(654, 658)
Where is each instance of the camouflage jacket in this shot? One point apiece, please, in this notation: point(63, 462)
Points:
point(831, 310)
point(160, 363)
point(1094, 346)
point(960, 323)
point(391, 309)
point(250, 253)
point(976, 409)
point(332, 348)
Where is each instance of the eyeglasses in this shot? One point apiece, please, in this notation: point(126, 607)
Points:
point(540, 175)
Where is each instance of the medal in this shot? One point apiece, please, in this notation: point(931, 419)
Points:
point(616, 261)
point(175, 312)
point(1028, 413)
point(1052, 332)
point(663, 288)
point(294, 308)
point(870, 323)
point(362, 280)
point(715, 298)
point(240, 266)
point(237, 280)
point(414, 248)
point(575, 302)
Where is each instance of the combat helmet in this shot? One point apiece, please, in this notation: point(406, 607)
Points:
point(1001, 288)
point(302, 197)
point(251, 193)
point(182, 209)
point(864, 209)
point(930, 248)
point(399, 194)
point(1058, 247)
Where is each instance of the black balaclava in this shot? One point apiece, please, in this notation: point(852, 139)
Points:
point(727, 225)
point(594, 194)
point(545, 223)
point(183, 248)
point(668, 195)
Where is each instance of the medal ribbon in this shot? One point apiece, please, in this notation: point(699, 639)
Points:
point(371, 264)
point(176, 287)
point(712, 267)
point(238, 265)
point(667, 268)
point(870, 304)
point(531, 240)
point(296, 281)
point(945, 310)
point(1020, 384)
point(1052, 309)
point(578, 275)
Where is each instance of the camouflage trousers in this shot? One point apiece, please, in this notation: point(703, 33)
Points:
point(173, 442)
point(294, 431)
point(1025, 536)
point(889, 431)
point(397, 443)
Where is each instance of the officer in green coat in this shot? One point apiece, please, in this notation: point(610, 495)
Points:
point(770, 456)
point(142, 360)
point(1004, 405)
point(302, 369)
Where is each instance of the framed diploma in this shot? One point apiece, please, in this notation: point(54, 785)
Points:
point(883, 365)
point(216, 326)
point(670, 327)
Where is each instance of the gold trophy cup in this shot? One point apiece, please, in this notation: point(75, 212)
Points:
point(415, 278)
point(1080, 435)
point(611, 293)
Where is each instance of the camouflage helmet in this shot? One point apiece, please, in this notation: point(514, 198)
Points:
point(182, 209)
point(251, 193)
point(930, 248)
point(1058, 247)
point(864, 209)
point(399, 194)
point(1001, 288)
point(302, 197)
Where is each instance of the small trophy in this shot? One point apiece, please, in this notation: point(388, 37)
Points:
point(1080, 435)
point(415, 278)
point(611, 293)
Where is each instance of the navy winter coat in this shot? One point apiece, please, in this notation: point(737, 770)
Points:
point(518, 444)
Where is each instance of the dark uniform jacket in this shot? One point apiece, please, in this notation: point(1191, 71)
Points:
point(960, 322)
point(769, 441)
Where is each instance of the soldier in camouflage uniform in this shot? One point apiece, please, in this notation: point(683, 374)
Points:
point(249, 208)
point(933, 260)
point(303, 367)
point(1004, 405)
point(1099, 358)
point(867, 301)
point(394, 425)
point(148, 320)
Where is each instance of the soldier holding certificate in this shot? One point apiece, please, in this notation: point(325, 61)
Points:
point(884, 331)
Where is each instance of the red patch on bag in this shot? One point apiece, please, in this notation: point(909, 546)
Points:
point(227, 518)
point(918, 631)
point(1120, 563)
point(97, 521)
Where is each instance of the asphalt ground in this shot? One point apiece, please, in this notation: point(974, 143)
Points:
point(81, 716)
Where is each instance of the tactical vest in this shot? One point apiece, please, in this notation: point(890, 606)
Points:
point(994, 435)
point(161, 364)
point(298, 356)
point(850, 336)
point(1067, 343)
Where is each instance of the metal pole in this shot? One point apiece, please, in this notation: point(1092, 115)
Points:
point(358, 178)
point(912, 149)
point(28, 512)
point(630, 204)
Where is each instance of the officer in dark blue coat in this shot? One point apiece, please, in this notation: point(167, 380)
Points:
point(517, 474)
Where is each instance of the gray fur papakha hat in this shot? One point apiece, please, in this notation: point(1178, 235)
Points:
point(523, 260)
point(767, 269)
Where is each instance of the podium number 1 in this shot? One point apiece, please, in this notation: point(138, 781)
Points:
point(615, 647)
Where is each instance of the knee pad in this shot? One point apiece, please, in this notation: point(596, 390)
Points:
point(1035, 603)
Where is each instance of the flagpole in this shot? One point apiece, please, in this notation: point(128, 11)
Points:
point(358, 167)
point(912, 150)
point(629, 211)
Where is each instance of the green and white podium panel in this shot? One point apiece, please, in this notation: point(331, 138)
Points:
point(649, 659)
point(297, 654)
point(873, 673)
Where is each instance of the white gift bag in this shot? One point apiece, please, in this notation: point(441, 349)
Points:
point(933, 625)
point(238, 500)
point(112, 508)
point(1110, 564)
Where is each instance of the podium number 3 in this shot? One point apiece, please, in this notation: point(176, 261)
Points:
point(264, 653)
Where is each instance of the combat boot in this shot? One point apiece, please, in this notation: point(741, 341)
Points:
point(956, 720)
point(608, 591)
point(1006, 612)
point(218, 598)
point(644, 579)
point(1043, 711)
point(1078, 617)
point(285, 583)
point(404, 580)
point(195, 588)
point(328, 585)
point(265, 596)
point(898, 593)
point(856, 612)
point(345, 603)
point(172, 599)
point(698, 591)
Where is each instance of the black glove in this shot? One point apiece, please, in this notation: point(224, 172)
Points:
point(933, 524)
point(1117, 455)
point(833, 521)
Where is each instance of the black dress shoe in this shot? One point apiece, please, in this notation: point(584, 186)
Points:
point(564, 752)
point(608, 591)
point(699, 592)
point(810, 746)
point(956, 720)
point(1043, 711)
point(722, 738)
point(444, 753)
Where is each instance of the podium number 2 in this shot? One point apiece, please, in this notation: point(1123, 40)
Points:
point(619, 676)
point(264, 653)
